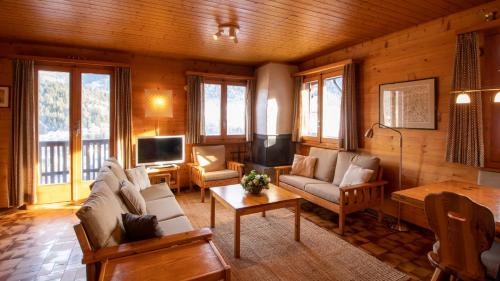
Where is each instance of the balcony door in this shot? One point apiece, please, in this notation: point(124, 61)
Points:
point(73, 124)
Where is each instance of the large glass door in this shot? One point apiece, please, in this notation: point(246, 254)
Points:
point(95, 125)
point(54, 150)
point(73, 130)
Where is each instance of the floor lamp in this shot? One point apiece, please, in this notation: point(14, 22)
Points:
point(369, 134)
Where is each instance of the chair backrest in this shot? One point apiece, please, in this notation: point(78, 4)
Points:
point(210, 157)
point(489, 178)
point(464, 230)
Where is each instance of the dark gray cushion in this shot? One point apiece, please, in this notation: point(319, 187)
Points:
point(141, 227)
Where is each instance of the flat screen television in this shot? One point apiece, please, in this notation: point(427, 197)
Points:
point(161, 150)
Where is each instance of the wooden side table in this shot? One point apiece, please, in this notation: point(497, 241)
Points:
point(169, 175)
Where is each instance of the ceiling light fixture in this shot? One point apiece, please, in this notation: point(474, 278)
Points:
point(230, 30)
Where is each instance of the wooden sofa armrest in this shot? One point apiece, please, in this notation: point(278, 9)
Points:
point(360, 186)
point(236, 166)
point(280, 170)
point(196, 168)
point(148, 245)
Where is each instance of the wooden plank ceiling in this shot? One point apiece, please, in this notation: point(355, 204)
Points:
point(272, 30)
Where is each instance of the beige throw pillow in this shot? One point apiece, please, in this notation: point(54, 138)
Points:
point(133, 198)
point(303, 166)
point(139, 177)
point(356, 175)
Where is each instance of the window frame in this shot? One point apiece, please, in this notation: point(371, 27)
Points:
point(224, 137)
point(319, 140)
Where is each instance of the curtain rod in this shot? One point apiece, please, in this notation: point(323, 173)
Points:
point(324, 68)
point(220, 76)
point(69, 61)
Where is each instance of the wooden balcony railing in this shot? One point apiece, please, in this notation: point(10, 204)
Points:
point(54, 160)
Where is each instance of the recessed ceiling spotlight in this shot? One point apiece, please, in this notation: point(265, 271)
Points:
point(230, 30)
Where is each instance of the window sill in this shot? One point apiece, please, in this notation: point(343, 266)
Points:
point(328, 145)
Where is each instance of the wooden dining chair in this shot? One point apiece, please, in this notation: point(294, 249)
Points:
point(465, 233)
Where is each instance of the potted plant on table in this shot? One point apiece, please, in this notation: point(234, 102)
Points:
point(254, 182)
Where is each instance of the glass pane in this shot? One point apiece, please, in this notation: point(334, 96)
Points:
point(310, 109)
point(212, 110)
point(53, 127)
point(236, 96)
point(332, 98)
point(95, 122)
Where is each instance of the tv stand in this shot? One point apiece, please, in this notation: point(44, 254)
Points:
point(165, 173)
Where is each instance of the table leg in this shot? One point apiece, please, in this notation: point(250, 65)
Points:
point(237, 235)
point(263, 213)
point(297, 221)
point(212, 210)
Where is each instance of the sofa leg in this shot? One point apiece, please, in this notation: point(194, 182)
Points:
point(341, 223)
point(92, 272)
point(202, 190)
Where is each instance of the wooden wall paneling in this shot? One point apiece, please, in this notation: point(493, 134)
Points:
point(426, 50)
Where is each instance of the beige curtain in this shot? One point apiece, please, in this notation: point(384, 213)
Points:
point(249, 107)
point(465, 127)
point(348, 110)
point(23, 138)
point(297, 88)
point(122, 127)
point(194, 109)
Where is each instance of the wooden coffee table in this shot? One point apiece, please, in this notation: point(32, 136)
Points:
point(243, 203)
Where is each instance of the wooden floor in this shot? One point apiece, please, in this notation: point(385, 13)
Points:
point(39, 244)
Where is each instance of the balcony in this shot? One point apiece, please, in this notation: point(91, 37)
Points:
point(54, 160)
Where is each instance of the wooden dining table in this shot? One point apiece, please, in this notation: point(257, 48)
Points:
point(484, 195)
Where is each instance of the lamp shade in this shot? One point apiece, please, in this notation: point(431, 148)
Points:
point(463, 98)
point(496, 99)
point(159, 103)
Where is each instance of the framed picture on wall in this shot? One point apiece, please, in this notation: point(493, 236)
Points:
point(4, 96)
point(409, 104)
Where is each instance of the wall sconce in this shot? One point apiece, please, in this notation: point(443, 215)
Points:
point(159, 104)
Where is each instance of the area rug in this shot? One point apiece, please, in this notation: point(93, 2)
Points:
point(269, 252)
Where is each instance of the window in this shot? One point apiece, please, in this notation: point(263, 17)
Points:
point(321, 98)
point(224, 110)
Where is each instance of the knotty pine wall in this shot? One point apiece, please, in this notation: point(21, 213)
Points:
point(147, 73)
point(426, 50)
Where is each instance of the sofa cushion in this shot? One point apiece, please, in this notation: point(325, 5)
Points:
point(325, 165)
point(113, 183)
point(210, 157)
point(303, 165)
point(164, 208)
point(156, 191)
point(368, 162)
point(139, 177)
point(100, 216)
point(344, 159)
point(141, 227)
point(220, 175)
point(326, 191)
point(298, 181)
point(175, 225)
point(489, 178)
point(133, 198)
point(116, 169)
point(356, 175)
